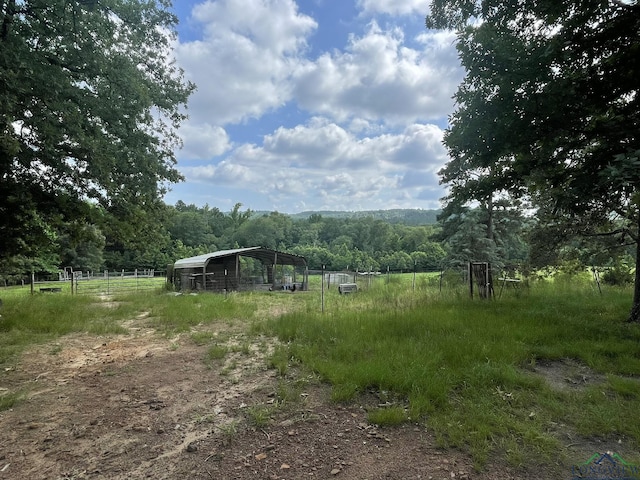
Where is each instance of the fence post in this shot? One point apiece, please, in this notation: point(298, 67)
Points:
point(596, 277)
point(33, 281)
point(322, 294)
point(414, 275)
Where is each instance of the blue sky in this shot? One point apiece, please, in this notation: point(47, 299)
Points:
point(314, 104)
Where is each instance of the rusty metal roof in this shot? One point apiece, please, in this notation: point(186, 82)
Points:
point(265, 255)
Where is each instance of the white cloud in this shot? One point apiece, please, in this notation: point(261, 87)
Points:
point(325, 165)
point(317, 144)
point(203, 141)
point(394, 7)
point(363, 134)
point(379, 78)
point(248, 50)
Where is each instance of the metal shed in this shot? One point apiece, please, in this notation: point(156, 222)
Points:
point(252, 268)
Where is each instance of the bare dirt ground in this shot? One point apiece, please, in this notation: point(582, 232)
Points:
point(145, 406)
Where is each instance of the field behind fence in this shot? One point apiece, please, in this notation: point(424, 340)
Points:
point(89, 283)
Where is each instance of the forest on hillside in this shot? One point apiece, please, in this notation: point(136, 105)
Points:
point(398, 239)
point(378, 240)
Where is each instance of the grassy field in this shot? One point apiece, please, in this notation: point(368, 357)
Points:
point(466, 369)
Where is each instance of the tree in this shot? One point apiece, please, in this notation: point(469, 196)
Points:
point(316, 256)
point(269, 231)
point(549, 107)
point(397, 261)
point(90, 103)
point(192, 228)
point(137, 237)
point(82, 247)
point(556, 240)
point(429, 256)
point(464, 235)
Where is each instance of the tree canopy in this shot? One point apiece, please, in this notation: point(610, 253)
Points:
point(90, 103)
point(549, 108)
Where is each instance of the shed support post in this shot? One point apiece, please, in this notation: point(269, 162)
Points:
point(237, 279)
point(275, 266)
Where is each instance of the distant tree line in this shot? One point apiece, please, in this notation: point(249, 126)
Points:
point(168, 233)
point(504, 236)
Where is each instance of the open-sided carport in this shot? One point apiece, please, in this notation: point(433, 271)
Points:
point(251, 268)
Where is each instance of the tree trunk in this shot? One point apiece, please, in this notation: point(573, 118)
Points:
point(490, 218)
point(634, 316)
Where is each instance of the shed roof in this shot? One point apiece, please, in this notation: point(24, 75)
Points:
point(266, 255)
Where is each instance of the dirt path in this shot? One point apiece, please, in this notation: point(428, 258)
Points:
point(142, 406)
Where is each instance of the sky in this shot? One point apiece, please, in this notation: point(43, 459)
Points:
point(313, 104)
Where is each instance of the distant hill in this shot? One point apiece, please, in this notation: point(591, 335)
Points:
point(399, 215)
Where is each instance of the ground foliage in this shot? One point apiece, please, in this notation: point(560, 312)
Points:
point(390, 382)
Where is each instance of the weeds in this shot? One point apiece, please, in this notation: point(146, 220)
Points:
point(202, 338)
point(259, 416)
point(205, 418)
point(8, 400)
point(279, 360)
point(228, 431)
point(387, 416)
point(464, 367)
point(214, 353)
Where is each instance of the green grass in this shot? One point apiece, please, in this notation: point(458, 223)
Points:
point(259, 416)
point(215, 352)
point(8, 400)
point(34, 319)
point(175, 314)
point(28, 320)
point(464, 368)
point(202, 338)
point(387, 416)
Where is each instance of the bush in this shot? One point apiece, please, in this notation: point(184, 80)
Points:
point(618, 275)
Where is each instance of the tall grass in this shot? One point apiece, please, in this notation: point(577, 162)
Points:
point(465, 368)
point(174, 314)
point(32, 319)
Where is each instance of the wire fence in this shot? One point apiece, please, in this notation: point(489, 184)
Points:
point(362, 279)
point(90, 283)
point(493, 282)
point(345, 281)
point(110, 283)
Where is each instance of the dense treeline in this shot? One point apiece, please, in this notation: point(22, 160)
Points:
point(363, 242)
point(337, 241)
point(502, 236)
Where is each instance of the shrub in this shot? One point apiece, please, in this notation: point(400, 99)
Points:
point(619, 275)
